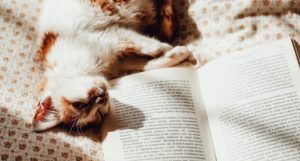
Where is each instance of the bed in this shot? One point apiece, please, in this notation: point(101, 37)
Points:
point(210, 28)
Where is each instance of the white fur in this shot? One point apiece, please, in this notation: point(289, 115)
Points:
point(87, 41)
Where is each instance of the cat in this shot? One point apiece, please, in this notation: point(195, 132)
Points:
point(85, 43)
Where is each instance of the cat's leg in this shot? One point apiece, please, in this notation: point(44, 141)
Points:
point(144, 46)
point(169, 59)
point(162, 54)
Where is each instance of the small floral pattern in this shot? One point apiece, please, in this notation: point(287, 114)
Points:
point(210, 28)
point(20, 72)
point(226, 26)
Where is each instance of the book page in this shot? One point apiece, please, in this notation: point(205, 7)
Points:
point(252, 99)
point(154, 117)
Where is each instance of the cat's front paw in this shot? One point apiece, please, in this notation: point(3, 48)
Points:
point(183, 57)
point(178, 53)
point(171, 58)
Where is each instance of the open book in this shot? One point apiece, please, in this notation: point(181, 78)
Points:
point(243, 106)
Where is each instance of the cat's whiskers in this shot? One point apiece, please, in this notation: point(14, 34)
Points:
point(74, 122)
point(79, 131)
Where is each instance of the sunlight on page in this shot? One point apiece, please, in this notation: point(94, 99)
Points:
point(157, 118)
point(253, 103)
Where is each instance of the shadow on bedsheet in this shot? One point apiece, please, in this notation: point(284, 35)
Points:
point(58, 142)
point(21, 143)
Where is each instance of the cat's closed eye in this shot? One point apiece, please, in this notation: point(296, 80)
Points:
point(79, 105)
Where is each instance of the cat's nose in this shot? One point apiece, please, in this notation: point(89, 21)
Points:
point(98, 95)
point(95, 96)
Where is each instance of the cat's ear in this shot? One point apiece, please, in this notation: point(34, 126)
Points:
point(46, 115)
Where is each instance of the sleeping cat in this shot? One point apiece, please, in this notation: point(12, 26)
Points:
point(85, 43)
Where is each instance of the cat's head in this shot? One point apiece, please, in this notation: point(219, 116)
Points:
point(76, 101)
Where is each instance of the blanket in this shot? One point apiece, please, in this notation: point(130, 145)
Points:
point(210, 28)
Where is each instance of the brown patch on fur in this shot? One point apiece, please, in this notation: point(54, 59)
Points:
point(167, 20)
point(128, 49)
point(164, 24)
point(69, 112)
point(121, 1)
point(48, 41)
point(106, 6)
point(148, 18)
point(130, 59)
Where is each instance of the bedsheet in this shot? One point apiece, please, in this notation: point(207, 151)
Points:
point(210, 28)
